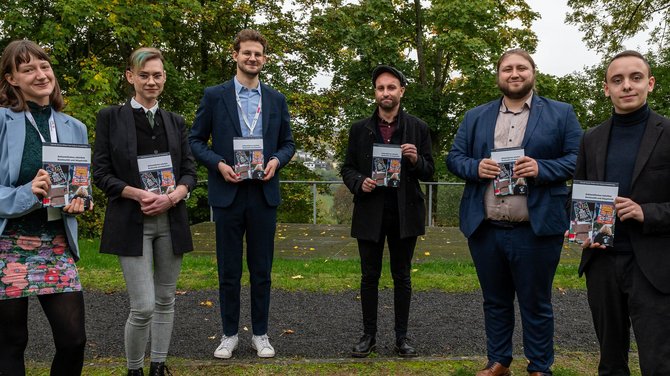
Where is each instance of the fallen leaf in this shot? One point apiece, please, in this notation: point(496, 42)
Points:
point(415, 270)
point(312, 249)
point(207, 303)
point(295, 247)
point(297, 277)
point(426, 253)
point(180, 292)
point(287, 331)
point(212, 337)
point(245, 329)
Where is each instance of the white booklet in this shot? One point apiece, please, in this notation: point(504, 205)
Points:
point(386, 164)
point(69, 168)
point(156, 173)
point(593, 213)
point(249, 162)
point(504, 184)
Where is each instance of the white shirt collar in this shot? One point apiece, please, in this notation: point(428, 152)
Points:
point(136, 104)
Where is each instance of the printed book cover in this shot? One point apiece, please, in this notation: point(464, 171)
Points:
point(249, 158)
point(69, 168)
point(386, 165)
point(505, 184)
point(156, 173)
point(593, 213)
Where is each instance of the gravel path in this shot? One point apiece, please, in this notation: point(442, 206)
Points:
point(307, 325)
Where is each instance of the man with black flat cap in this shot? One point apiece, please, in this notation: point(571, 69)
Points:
point(394, 211)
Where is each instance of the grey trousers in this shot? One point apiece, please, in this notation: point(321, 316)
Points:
point(151, 281)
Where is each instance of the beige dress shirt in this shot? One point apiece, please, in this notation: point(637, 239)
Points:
point(509, 132)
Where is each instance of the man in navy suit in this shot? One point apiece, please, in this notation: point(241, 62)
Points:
point(629, 282)
point(515, 240)
point(237, 109)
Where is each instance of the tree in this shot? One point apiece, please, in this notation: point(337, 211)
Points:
point(446, 48)
point(607, 23)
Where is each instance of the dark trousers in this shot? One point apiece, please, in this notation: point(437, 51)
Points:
point(513, 261)
point(619, 293)
point(65, 312)
point(249, 214)
point(401, 252)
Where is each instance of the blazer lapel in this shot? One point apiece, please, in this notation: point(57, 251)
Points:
point(173, 138)
point(651, 135)
point(265, 109)
point(16, 129)
point(533, 119)
point(128, 126)
point(63, 128)
point(600, 150)
point(489, 118)
point(230, 101)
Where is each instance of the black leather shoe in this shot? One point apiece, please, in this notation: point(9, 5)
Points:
point(365, 346)
point(404, 349)
point(135, 372)
point(159, 369)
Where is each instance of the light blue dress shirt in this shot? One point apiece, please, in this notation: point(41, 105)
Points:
point(249, 99)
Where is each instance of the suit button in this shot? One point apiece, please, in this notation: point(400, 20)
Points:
point(153, 137)
point(155, 151)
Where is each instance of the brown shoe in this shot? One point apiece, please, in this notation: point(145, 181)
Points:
point(495, 369)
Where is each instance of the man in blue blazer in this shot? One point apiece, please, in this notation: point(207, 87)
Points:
point(515, 240)
point(237, 109)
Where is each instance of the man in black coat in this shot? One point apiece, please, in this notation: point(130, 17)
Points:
point(630, 282)
point(394, 211)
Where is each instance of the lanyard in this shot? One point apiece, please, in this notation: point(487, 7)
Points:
point(52, 126)
point(244, 114)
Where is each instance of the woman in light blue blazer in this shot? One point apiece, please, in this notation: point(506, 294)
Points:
point(38, 246)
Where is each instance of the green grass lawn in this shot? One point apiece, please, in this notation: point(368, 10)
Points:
point(102, 272)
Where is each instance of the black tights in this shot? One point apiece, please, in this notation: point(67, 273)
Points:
point(65, 312)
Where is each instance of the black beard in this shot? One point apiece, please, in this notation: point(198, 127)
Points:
point(522, 93)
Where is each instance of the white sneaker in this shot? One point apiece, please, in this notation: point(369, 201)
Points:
point(262, 346)
point(226, 348)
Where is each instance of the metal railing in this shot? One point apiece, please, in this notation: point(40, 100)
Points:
point(428, 190)
point(314, 183)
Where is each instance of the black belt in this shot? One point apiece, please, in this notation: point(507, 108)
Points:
point(507, 224)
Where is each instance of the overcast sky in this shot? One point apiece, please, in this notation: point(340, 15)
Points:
point(560, 50)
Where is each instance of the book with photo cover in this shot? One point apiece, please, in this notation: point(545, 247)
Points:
point(156, 173)
point(386, 165)
point(593, 213)
point(504, 184)
point(69, 168)
point(249, 158)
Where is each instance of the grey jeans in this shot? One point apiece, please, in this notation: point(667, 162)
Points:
point(151, 281)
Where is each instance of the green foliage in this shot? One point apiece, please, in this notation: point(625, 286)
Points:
point(446, 48)
point(296, 206)
point(608, 23)
point(343, 205)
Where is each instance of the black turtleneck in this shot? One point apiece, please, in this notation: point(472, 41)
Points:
point(624, 144)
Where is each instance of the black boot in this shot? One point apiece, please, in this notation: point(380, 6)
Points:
point(404, 349)
point(135, 372)
point(365, 346)
point(159, 369)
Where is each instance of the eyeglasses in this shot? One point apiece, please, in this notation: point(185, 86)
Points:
point(145, 77)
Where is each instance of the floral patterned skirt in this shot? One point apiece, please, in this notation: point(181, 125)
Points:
point(36, 264)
